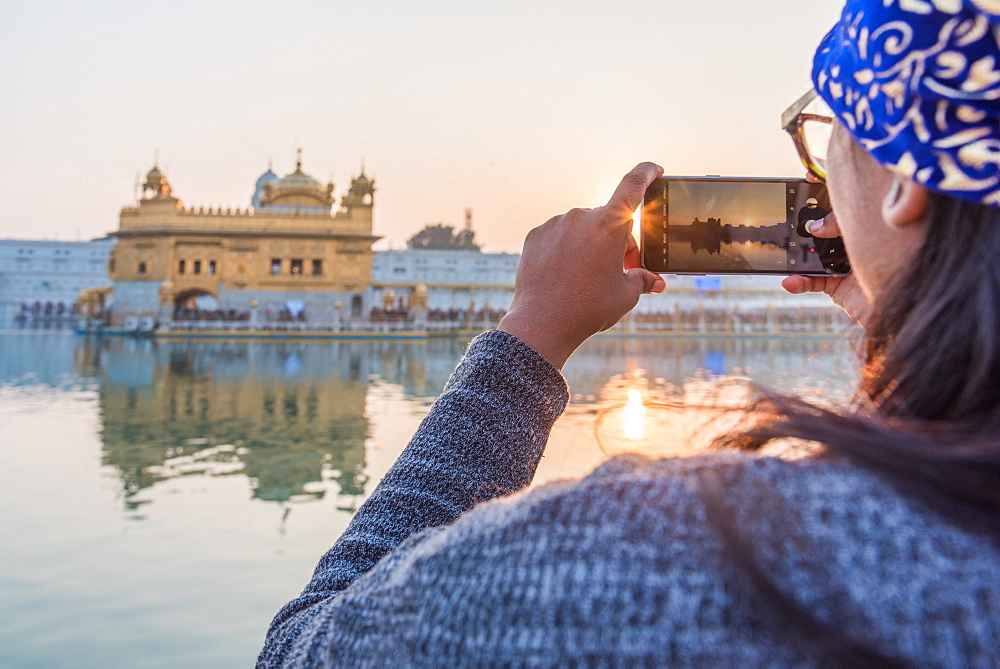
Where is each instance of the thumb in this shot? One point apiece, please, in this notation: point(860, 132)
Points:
point(628, 196)
point(642, 281)
point(826, 227)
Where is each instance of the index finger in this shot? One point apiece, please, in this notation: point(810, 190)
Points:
point(628, 195)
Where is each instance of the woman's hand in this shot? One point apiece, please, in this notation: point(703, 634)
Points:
point(580, 273)
point(843, 290)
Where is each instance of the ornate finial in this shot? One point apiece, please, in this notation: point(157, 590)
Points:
point(270, 161)
point(298, 158)
point(468, 218)
point(362, 167)
point(156, 158)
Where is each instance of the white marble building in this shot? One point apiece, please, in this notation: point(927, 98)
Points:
point(456, 280)
point(41, 280)
point(735, 292)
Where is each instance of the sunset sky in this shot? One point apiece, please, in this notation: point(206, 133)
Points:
point(753, 204)
point(519, 110)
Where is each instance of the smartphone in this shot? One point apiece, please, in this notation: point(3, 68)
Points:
point(725, 225)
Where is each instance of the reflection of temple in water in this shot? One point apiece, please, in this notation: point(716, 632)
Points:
point(289, 415)
point(293, 417)
point(420, 367)
point(286, 416)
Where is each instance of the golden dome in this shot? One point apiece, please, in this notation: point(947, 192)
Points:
point(297, 180)
point(297, 192)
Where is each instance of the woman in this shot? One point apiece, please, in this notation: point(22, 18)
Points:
point(882, 550)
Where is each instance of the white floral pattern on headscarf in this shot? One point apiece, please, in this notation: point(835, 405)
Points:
point(917, 83)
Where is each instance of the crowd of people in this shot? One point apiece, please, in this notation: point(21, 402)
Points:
point(46, 311)
point(734, 321)
point(224, 315)
point(454, 316)
point(738, 321)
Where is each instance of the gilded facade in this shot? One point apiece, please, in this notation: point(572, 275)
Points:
point(292, 254)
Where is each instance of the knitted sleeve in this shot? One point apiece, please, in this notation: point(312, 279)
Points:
point(483, 438)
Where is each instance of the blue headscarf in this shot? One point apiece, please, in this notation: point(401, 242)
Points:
point(917, 84)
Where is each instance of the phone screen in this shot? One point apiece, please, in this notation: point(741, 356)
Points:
point(716, 225)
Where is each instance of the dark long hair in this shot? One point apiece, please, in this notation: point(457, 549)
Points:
point(927, 413)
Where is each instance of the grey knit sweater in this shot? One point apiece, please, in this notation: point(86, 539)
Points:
point(628, 566)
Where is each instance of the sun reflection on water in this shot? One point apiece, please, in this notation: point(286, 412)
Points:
point(634, 416)
point(647, 415)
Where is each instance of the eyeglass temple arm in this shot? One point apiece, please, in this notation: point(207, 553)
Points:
point(789, 115)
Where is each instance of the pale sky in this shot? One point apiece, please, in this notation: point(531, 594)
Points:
point(519, 110)
point(734, 203)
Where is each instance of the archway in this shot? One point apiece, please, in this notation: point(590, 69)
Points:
point(195, 301)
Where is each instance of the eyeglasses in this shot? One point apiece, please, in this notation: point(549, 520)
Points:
point(810, 123)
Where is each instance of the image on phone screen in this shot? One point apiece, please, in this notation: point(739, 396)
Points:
point(722, 226)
